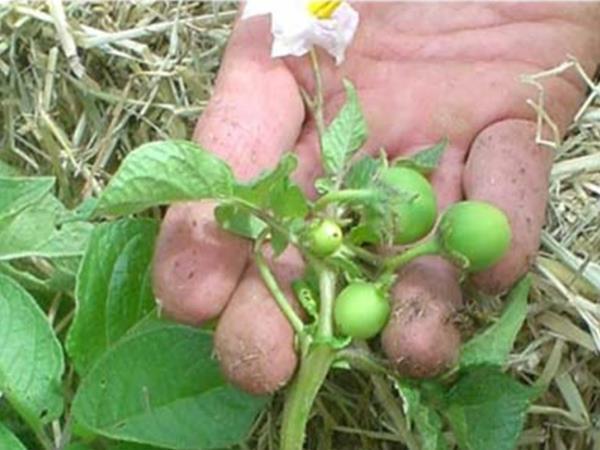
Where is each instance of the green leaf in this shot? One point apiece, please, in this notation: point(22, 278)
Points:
point(37, 231)
point(495, 343)
point(279, 242)
point(113, 288)
point(132, 446)
point(163, 387)
point(9, 441)
point(258, 191)
point(238, 221)
point(424, 161)
point(31, 359)
point(288, 201)
point(17, 194)
point(427, 421)
point(165, 172)
point(346, 133)
point(486, 409)
point(365, 233)
point(362, 173)
point(79, 446)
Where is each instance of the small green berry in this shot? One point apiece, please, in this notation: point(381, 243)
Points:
point(478, 231)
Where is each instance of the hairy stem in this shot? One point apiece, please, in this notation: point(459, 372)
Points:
point(302, 394)
point(430, 247)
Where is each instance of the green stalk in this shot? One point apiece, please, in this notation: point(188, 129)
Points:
point(278, 294)
point(327, 281)
point(430, 247)
point(302, 394)
point(313, 369)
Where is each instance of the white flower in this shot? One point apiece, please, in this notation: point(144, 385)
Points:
point(298, 25)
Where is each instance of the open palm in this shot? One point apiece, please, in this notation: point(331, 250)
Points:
point(423, 72)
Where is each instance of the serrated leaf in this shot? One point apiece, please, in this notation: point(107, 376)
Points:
point(163, 387)
point(235, 220)
point(362, 173)
point(164, 172)
point(486, 409)
point(37, 231)
point(259, 191)
point(31, 359)
point(17, 194)
point(8, 441)
point(113, 288)
point(426, 160)
point(346, 133)
point(495, 343)
point(427, 421)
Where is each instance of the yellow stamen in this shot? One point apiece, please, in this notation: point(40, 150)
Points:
point(323, 9)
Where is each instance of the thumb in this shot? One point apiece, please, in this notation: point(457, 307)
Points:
point(255, 114)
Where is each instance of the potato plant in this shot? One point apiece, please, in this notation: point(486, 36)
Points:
point(322, 274)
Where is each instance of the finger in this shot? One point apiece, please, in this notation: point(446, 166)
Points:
point(197, 266)
point(507, 168)
point(196, 263)
point(254, 341)
point(421, 339)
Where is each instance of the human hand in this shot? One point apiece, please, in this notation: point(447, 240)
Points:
point(423, 71)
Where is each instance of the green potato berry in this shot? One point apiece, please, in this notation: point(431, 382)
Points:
point(324, 237)
point(478, 231)
point(415, 216)
point(360, 310)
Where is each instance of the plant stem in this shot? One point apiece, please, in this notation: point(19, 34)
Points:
point(279, 296)
point(430, 247)
point(344, 196)
point(302, 394)
point(327, 281)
